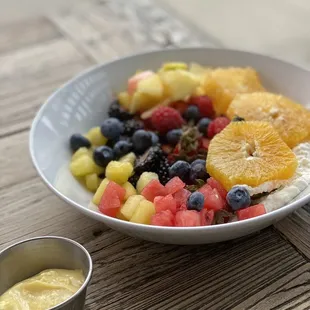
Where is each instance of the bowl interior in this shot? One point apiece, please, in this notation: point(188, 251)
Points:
point(82, 103)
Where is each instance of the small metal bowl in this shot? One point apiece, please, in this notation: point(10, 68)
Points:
point(27, 258)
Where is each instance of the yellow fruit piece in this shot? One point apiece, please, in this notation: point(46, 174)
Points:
point(249, 153)
point(119, 172)
point(120, 216)
point(143, 213)
point(198, 69)
point(179, 84)
point(80, 152)
point(82, 166)
point(289, 118)
point(199, 91)
point(223, 84)
point(141, 102)
point(95, 137)
point(124, 100)
point(145, 179)
point(129, 207)
point(97, 197)
point(151, 86)
point(128, 158)
point(92, 182)
point(130, 190)
point(174, 66)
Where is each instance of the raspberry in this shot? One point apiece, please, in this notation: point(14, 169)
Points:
point(204, 104)
point(165, 119)
point(217, 125)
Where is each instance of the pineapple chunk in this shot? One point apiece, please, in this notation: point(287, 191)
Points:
point(174, 66)
point(119, 172)
point(145, 179)
point(143, 213)
point(128, 158)
point(179, 84)
point(92, 182)
point(95, 137)
point(124, 100)
point(81, 151)
point(130, 190)
point(97, 197)
point(151, 86)
point(120, 216)
point(82, 166)
point(129, 207)
point(142, 102)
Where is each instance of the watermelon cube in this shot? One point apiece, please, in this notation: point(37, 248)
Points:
point(187, 218)
point(112, 199)
point(181, 197)
point(206, 217)
point(217, 185)
point(163, 203)
point(163, 218)
point(174, 185)
point(250, 212)
point(213, 200)
point(153, 189)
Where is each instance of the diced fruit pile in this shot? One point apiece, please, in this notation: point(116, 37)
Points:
point(180, 144)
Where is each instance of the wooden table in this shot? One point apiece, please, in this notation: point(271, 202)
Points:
point(268, 270)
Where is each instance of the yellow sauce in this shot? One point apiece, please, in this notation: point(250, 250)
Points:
point(43, 291)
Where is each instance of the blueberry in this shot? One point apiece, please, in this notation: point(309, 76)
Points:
point(180, 169)
point(173, 136)
point(103, 155)
point(112, 128)
point(121, 148)
point(192, 113)
point(198, 170)
point(142, 140)
point(238, 198)
point(77, 141)
point(195, 201)
point(203, 125)
point(155, 138)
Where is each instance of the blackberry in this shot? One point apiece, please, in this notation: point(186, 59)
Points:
point(150, 160)
point(163, 171)
point(117, 111)
point(131, 126)
point(134, 179)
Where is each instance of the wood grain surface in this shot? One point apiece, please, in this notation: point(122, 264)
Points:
point(267, 270)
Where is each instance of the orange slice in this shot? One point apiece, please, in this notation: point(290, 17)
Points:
point(249, 153)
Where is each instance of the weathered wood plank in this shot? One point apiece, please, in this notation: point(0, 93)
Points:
point(109, 29)
point(31, 74)
point(296, 228)
point(287, 293)
point(25, 33)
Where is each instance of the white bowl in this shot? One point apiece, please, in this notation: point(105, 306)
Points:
point(83, 102)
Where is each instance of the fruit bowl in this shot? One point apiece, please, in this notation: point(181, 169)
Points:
point(83, 102)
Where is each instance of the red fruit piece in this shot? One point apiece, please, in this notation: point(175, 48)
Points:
point(163, 218)
point(187, 218)
point(163, 203)
point(153, 189)
point(204, 143)
point(165, 119)
point(213, 200)
point(174, 185)
point(181, 197)
point(250, 212)
point(204, 104)
point(111, 199)
point(180, 106)
point(217, 185)
point(217, 125)
point(206, 217)
point(134, 80)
